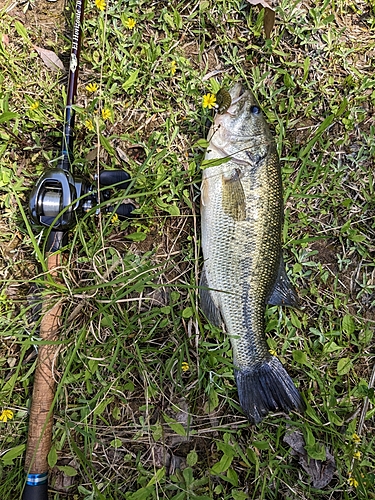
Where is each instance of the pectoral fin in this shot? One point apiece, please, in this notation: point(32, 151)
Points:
point(208, 306)
point(283, 293)
point(234, 195)
point(204, 192)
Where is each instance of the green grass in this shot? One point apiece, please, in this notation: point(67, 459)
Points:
point(129, 421)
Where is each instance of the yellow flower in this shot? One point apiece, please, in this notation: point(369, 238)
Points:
point(34, 106)
point(114, 218)
point(92, 87)
point(130, 23)
point(6, 415)
point(352, 482)
point(185, 366)
point(106, 113)
point(100, 4)
point(89, 125)
point(173, 67)
point(209, 101)
point(272, 352)
point(357, 455)
point(356, 439)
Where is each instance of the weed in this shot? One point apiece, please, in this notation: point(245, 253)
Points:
point(146, 404)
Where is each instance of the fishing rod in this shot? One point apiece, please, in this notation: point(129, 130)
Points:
point(57, 201)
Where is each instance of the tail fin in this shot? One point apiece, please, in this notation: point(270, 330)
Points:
point(266, 387)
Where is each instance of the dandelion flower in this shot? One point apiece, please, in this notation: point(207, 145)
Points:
point(173, 67)
point(100, 4)
point(185, 366)
point(89, 125)
point(34, 106)
point(357, 455)
point(130, 23)
point(92, 87)
point(209, 101)
point(106, 114)
point(352, 482)
point(6, 415)
point(356, 439)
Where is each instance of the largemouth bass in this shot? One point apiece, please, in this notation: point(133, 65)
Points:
point(242, 217)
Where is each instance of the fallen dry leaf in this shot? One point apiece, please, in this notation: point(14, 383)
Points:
point(268, 21)
point(269, 14)
point(180, 412)
point(5, 39)
point(267, 4)
point(50, 59)
point(320, 471)
point(92, 154)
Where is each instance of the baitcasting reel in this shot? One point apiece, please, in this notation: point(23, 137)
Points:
point(58, 198)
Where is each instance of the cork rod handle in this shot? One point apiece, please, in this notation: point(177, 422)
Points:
point(41, 411)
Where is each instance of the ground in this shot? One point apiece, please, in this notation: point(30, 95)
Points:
point(146, 404)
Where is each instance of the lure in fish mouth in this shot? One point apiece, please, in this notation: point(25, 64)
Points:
point(241, 222)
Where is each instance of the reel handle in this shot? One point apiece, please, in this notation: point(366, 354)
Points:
point(116, 178)
point(124, 211)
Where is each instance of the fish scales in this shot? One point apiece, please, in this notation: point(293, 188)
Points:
point(250, 250)
point(242, 213)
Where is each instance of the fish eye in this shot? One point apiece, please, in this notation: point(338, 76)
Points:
point(255, 110)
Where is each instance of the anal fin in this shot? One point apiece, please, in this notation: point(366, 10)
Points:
point(283, 293)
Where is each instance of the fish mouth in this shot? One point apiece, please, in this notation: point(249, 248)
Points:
point(241, 99)
point(237, 93)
